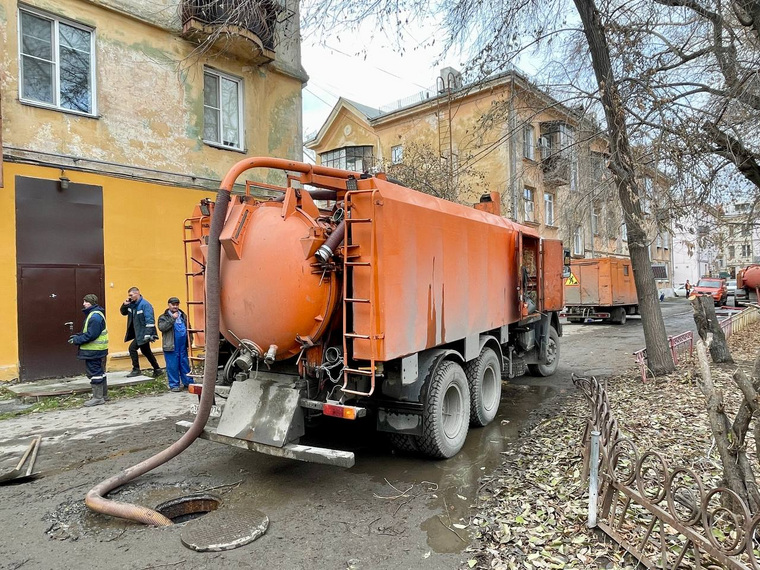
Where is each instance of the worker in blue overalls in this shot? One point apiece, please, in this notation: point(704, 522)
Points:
point(174, 326)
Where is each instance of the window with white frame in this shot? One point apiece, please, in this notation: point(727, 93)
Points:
point(746, 250)
point(745, 230)
point(548, 208)
point(397, 154)
point(666, 240)
point(222, 110)
point(596, 214)
point(731, 252)
point(624, 231)
point(57, 62)
point(529, 144)
point(578, 241)
point(530, 204)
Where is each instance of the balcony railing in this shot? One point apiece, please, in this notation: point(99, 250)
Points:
point(556, 167)
point(245, 28)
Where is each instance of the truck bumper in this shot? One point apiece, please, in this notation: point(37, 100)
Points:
point(289, 450)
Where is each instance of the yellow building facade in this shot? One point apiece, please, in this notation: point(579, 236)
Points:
point(118, 117)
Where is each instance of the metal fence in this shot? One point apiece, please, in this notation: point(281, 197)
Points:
point(665, 516)
point(678, 344)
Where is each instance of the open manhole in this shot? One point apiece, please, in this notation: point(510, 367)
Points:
point(183, 509)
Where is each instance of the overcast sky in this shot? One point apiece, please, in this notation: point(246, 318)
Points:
point(366, 70)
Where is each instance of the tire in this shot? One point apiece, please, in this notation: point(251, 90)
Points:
point(619, 319)
point(484, 381)
point(403, 442)
point(552, 356)
point(446, 417)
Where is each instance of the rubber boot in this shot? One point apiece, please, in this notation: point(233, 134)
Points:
point(97, 399)
point(105, 390)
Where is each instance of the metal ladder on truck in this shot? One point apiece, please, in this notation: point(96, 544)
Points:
point(195, 352)
point(350, 265)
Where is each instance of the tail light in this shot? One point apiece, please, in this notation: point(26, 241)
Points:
point(338, 411)
point(195, 389)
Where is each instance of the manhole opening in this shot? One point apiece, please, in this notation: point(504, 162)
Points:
point(183, 509)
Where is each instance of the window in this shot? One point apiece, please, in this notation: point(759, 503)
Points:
point(529, 146)
point(57, 63)
point(730, 231)
point(397, 154)
point(598, 166)
point(549, 208)
point(222, 110)
point(659, 241)
point(746, 250)
point(745, 230)
point(528, 199)
point(626, 271)
point(666, 240)
point(596, 214)
point(624, 232)
point(356, 158)
point(660, 272)
point(731, 252)
point(578, 241)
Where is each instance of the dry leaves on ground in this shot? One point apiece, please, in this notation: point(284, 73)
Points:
point(532, 511)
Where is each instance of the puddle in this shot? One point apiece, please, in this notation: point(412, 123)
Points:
point(457, 478)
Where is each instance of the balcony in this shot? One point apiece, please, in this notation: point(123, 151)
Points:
point(243, 28)
point(556, 168)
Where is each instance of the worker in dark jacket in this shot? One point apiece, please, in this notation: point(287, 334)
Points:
point(175, 328)
point(93, 348)
point(141, 330)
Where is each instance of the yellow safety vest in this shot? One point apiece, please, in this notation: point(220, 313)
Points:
point(100, 343)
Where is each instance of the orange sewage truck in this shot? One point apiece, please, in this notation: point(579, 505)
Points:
point(600, 288)
point(350, 296)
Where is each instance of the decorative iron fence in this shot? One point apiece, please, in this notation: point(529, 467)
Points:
point(678, 343)
point(664, 516)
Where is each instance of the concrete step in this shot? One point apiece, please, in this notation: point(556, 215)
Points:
point(75, 385)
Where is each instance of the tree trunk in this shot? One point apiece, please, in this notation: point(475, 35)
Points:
point(737, 473)
point(709, 329)
point(659, 358)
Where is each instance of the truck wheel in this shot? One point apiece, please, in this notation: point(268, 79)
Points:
point(619, 319)
point(446, 415)
point(552, 357)
point(404, 442)
point(484, 380)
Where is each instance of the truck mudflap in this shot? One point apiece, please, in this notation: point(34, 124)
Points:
point(295, 451)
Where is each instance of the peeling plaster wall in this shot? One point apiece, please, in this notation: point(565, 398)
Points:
point(149, 96)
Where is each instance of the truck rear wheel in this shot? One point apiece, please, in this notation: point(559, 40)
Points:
point(484, 380)
point(620, 316)
point(446, 416)
point(552, 357)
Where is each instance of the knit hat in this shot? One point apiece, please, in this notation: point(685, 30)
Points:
point(91, 299)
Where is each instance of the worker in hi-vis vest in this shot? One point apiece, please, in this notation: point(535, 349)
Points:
point(93, 348)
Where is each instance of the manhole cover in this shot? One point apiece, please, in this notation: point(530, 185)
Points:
point(224, 530)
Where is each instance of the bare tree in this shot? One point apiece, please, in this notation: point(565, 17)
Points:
point(496, 32)
point(421, 168)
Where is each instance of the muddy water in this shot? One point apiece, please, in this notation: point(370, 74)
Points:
point(451, 486)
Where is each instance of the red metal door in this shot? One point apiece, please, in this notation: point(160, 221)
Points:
point(59, 252)
point(48, 301)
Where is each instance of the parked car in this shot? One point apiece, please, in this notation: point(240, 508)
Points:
point(713, 286)
point(733, 291)
point(680, 290)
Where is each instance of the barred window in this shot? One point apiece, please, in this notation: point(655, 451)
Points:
point(660, 272)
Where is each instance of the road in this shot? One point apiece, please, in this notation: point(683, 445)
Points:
point(389, 511)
